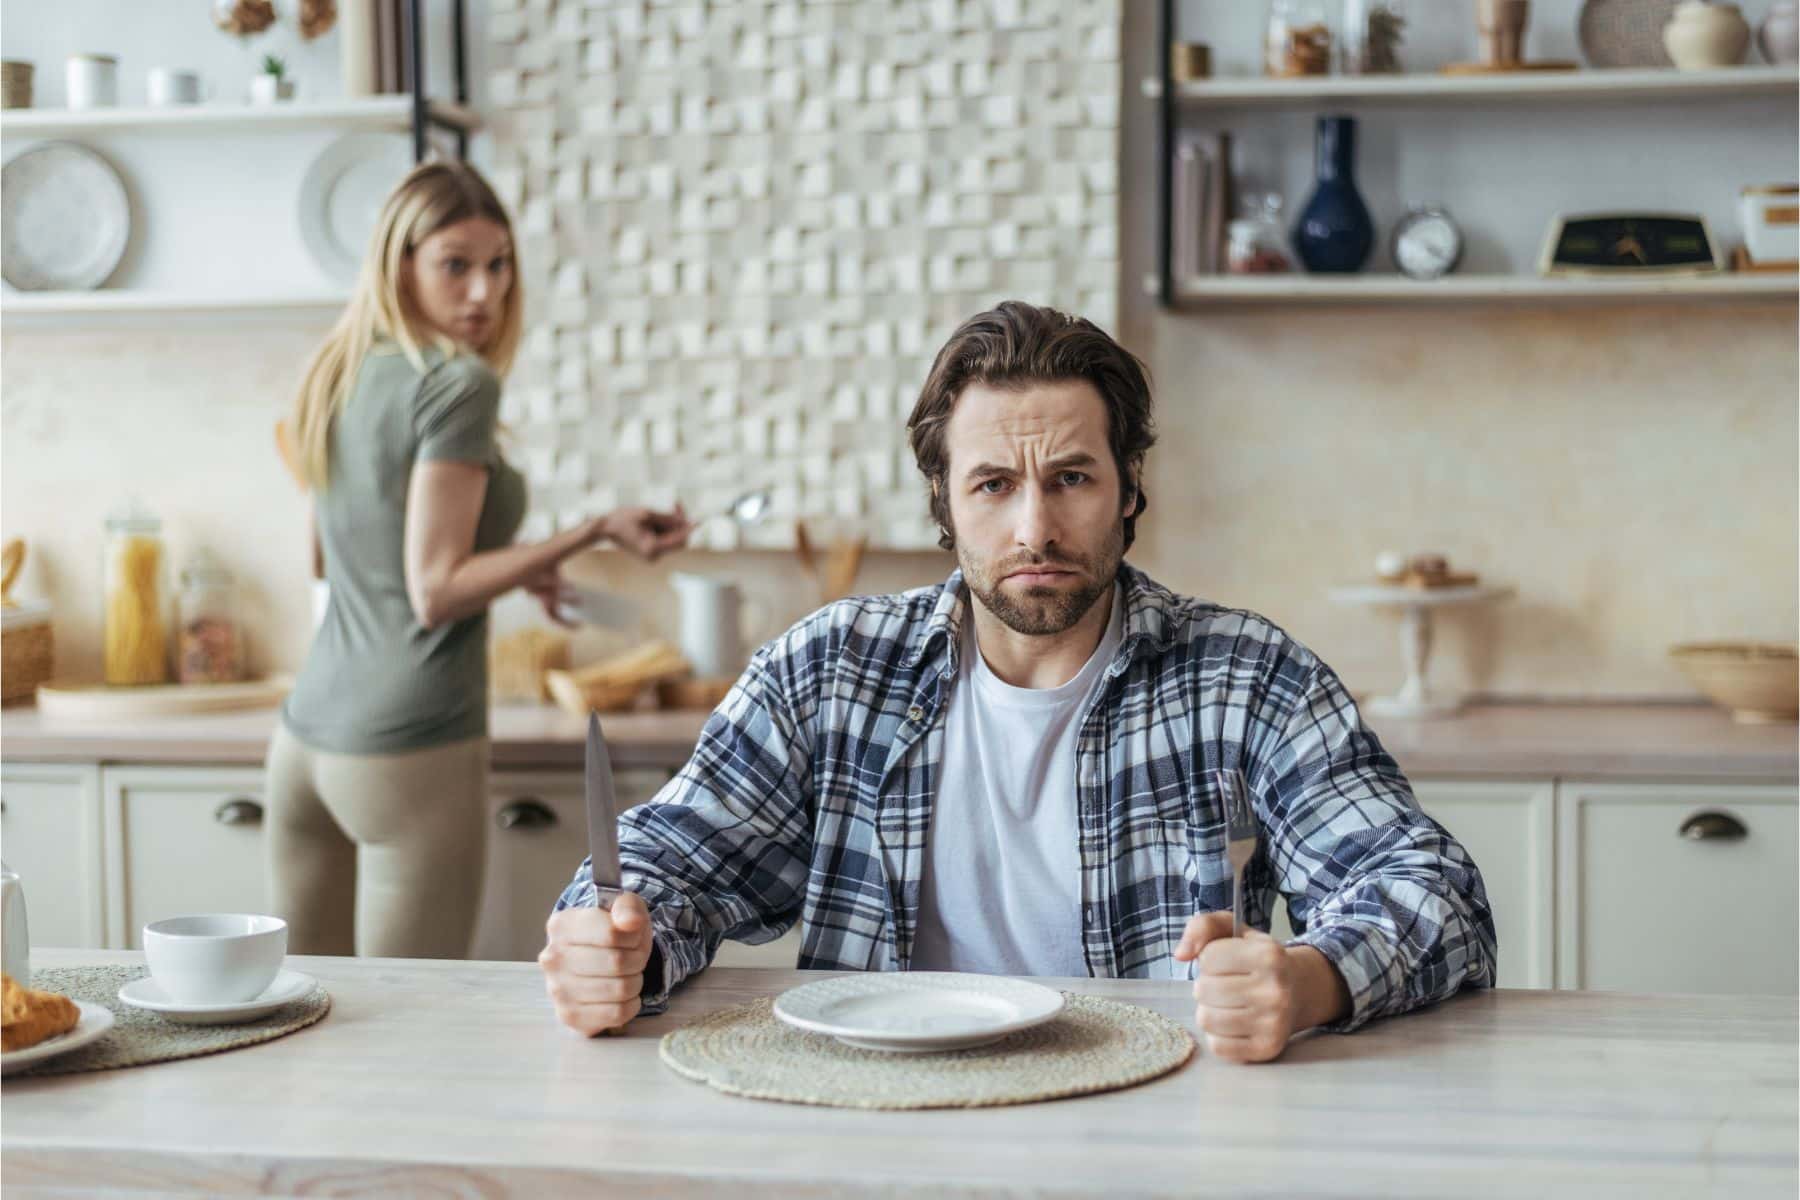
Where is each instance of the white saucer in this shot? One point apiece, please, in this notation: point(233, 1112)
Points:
point(918, 1012)
point(147, 993)
point(95, 1020)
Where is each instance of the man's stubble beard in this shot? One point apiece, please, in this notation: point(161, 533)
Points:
point(1043, 612)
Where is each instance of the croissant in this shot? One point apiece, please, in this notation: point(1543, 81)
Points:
point(28, 1016)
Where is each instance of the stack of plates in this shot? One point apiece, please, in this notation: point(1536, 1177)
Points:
point(15, 84)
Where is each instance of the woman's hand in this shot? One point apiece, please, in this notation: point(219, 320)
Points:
point(647, 533)
point(550, 591)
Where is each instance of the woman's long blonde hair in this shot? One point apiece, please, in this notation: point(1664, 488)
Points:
point(432, 196)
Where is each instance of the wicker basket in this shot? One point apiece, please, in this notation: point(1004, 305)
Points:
point(582, 698)
point(27, 651)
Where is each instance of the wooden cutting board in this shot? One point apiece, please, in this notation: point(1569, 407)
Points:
point(60, 698)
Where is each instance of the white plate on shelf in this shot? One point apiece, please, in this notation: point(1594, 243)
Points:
point(918, 1012)
point(95, 1020)
point(288, 987)
point(64, 218)
point(342, 195)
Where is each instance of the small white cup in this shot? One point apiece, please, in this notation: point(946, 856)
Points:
point(165, 87)
point(92, 80)
point(215, 958)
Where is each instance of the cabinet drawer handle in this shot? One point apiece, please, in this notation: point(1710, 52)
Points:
point(525, 814)
point(239, 811)
point(1713, 826)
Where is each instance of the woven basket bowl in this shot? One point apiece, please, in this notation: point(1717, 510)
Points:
point(1759, 682)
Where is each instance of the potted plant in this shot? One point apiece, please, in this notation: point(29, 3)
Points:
point(272, 84)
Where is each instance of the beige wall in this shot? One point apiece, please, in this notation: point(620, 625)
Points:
point(1631, 470)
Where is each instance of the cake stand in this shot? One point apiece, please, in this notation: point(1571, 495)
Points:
point(1414, 699)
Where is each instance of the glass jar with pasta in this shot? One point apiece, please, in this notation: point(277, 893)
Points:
point(1297, 39)
point(134, 580)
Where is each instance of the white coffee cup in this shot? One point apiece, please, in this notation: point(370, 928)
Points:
point(215, 958)
point(92, 80)
point(166, 87)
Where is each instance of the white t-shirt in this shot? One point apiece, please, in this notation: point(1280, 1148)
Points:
point(1001, 892)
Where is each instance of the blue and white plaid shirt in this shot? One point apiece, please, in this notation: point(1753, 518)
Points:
point(809, 796)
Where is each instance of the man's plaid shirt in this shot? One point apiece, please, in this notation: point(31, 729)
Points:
point(809, 796)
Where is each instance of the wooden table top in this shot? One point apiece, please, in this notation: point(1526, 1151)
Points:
point(453, 1075)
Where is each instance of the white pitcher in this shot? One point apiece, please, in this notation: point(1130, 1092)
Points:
point(15, 938)
point(712, 637)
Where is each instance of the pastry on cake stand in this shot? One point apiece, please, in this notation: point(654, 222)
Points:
point(1424, 585)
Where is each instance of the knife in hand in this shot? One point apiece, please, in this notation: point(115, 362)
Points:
point(603, 817)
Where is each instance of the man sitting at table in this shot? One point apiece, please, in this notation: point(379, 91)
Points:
point(1020, 771)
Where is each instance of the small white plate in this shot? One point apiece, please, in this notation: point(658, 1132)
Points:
point(95, 1020)
point(918, 1012)
point(66, 218)
point(148, 994)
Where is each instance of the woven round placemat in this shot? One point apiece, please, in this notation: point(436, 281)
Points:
point(1093, 1045)
point(139, 1036)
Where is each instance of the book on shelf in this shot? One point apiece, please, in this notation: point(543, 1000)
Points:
point(1200, 205)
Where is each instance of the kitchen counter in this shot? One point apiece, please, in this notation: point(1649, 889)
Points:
point(453, 1077)
point(524, 735)
point(1623, 741)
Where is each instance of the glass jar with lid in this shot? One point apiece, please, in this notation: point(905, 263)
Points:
point(1370, 37)
point(1257, 243)
point(1297, 39)
point(209, 642)
point(134, 583)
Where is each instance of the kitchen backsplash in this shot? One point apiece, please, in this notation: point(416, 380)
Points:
point(1631, 472)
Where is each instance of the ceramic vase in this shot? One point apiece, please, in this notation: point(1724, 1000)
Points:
point(1334, 233)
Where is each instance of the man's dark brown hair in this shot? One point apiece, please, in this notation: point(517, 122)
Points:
point(1017, 345)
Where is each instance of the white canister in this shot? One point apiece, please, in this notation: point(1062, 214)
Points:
point(15, 936)
point(165, 88)
point(1771, 220)
point(1779, 35)
point(711, 637)
point(92, 80)
point(1701, 36)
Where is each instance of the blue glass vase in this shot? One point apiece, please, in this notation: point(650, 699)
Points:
point(1334, 232)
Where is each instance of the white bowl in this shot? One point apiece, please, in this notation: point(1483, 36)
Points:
point(215, 958)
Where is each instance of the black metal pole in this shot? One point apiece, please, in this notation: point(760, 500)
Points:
point(462, 62)
point(1165, 155)
point(415, 51)
point(462, 71)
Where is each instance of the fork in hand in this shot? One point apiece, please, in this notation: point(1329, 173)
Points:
point(1240, 840)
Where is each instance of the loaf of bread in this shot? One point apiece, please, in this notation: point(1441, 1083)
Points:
point(28, 1016)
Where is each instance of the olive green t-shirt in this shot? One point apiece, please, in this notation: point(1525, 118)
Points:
point(375, 680)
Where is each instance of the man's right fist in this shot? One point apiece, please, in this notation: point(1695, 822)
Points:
point(593, 961)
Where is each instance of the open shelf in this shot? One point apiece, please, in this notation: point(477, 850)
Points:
point(1397, 289)
point(380, 113)
point(1581, 85)
point(74, 308)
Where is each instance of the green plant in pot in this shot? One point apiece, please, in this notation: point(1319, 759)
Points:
point(272, 84)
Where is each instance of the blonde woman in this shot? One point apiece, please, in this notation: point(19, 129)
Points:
point(377, 775)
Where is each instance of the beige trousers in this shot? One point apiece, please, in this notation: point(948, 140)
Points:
point(379, 855)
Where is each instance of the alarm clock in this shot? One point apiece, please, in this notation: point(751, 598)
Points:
point(1629, 244)
point(1427, 244)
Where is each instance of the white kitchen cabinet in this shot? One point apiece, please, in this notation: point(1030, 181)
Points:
point(50, 833)
point(1677, 888)
point(181, 840)
point(1508, 828)
point(537, 839)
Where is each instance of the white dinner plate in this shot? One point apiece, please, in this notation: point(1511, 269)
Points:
point(342, 195)
point(64, 218)
point(917, 1012)
point(95, 1020)
point(146, 993)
